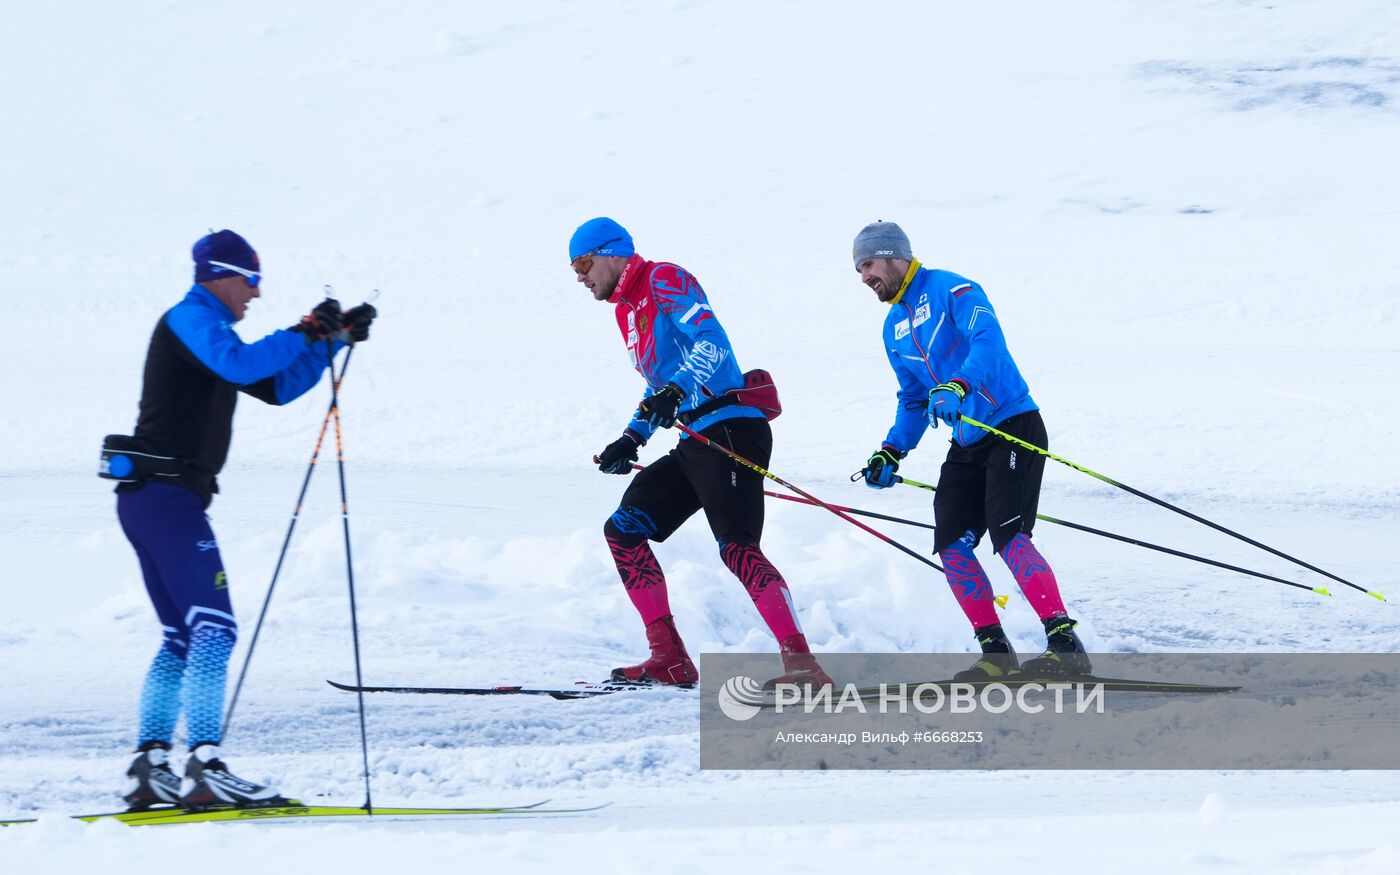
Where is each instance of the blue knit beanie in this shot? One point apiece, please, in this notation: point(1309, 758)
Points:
point(881, 240)
point(225, 246)
point(604, 232)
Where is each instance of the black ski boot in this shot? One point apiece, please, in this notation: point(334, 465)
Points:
point(153, 781)
point(1064, 652)
point(209, 784)
point(998, 658)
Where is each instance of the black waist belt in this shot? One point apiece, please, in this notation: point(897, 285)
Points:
point(128, 460)
point(706, 409)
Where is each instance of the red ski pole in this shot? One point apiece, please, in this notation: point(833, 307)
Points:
point(807, 495)
point(852, 510)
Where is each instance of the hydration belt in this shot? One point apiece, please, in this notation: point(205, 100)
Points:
point(758, 391)
point(128, 460)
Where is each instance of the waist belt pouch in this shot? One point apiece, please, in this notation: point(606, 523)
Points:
point(127, 460)
point(759, 391)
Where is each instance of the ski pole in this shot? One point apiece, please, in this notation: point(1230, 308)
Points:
point(1320, 590)
point(1157, 501)
point(350, 571)
point(851, 510)
point(286, 542)
point(807, 495)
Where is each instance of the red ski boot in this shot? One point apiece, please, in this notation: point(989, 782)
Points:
point(799, 665)
point(668, 664)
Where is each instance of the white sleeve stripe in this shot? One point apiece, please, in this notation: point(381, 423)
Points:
point(694, 310)
point(960, 288)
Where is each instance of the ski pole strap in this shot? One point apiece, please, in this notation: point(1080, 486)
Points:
point(1376, 594)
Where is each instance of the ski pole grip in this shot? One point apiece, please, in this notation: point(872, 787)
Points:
point(631, 466)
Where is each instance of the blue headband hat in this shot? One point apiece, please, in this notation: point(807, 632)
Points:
point(601, 234)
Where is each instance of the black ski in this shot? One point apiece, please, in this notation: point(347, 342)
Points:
point(580, 690)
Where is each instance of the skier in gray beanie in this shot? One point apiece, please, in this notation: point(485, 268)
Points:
point(881, 240)
point(945, 343)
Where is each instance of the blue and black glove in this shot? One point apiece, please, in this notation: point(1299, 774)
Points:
point(881, 467)
point(661, 408)
point(618, 456)
point(945, 402)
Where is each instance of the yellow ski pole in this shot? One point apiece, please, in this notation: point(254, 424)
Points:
point(1321, 590)
point(1169, 506)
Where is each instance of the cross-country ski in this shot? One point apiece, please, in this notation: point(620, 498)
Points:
point(173, 816)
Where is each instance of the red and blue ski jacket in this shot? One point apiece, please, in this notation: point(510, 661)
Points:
point(673, 336)
point(941, 327)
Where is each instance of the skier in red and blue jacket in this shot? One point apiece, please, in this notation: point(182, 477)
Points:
point(946, 347)
point(680, 349)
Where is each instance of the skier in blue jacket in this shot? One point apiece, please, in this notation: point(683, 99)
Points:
point(945, 344)
point(196, 366)
point(679, 348)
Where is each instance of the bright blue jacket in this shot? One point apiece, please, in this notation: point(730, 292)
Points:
point(673, 336)
point(940, 328)
point(205, 326)
point(196, 366)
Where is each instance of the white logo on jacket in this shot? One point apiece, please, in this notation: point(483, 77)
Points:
point(901, 329)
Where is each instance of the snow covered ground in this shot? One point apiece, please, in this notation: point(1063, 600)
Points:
point(1184, 213)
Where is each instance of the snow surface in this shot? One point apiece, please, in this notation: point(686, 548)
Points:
point(1183, 211)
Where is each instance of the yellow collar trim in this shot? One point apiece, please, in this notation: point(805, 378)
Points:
point(908, 278)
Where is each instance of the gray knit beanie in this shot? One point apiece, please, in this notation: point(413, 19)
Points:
point(881, 240)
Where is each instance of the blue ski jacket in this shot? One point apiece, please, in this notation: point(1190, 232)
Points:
point(196, 366)
point(673, 336)
point(942, 327)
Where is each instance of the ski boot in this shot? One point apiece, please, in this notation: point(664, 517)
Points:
point(799, 666)
point(998, 658)
point(209, 784)
point(154, 782)
point(1064, 652)
point(668, 665)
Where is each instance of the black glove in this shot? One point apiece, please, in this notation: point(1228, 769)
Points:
point(357, 321)
point(880, 468)
point(618, 456)
point(323, 321)
point(661, 408)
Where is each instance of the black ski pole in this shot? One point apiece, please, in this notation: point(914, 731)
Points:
point(1159, 502)
point(808, 498)
point(841, 507)
point(1000, 600)
point(1134, 541)
point(286, 542)
point(350, 572)
point(852, 510)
